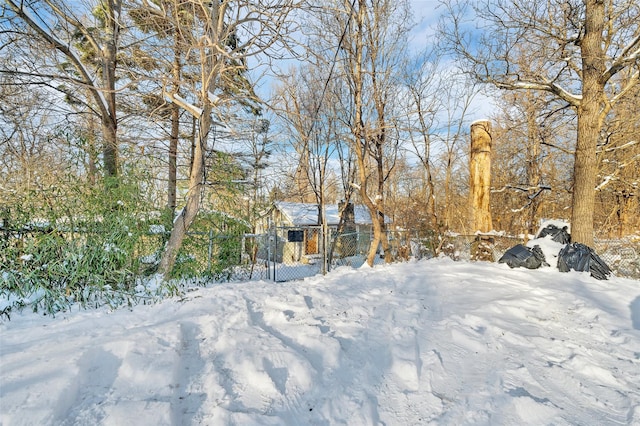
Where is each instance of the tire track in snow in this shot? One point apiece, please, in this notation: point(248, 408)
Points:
point(82, 402)
point(257, 319)
point(293, 352)
point(189, 394)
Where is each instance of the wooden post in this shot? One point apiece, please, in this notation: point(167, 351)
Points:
point(480, 176)
point(480, 189)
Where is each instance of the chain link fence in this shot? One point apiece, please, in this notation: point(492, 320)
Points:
point(286, 254)
point(622, 255)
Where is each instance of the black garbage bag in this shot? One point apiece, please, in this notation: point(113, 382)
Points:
point(559, 235)
point(522, 256)
point(579, 257)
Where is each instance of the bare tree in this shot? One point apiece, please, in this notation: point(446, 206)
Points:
point(372, 49)
point(449, 132)
point(162, 58)
point(223, 35)
point(521, 179)
point(438, 110)
point(260, 149)
point(88, 57)
point(298, 105)
point(29, 161)
point(585, 53)
point(420, 80)
point(619, 161)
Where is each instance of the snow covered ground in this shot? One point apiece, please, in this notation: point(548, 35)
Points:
point(428, 342)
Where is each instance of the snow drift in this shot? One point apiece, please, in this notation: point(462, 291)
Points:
point(429, 342)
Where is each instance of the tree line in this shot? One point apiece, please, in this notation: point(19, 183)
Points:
point(165, 99)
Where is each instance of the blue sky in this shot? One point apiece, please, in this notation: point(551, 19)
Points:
point(426, 15)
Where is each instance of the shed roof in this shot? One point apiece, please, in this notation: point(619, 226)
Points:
point(306, 214)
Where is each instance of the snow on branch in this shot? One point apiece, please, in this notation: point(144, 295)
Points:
point(35, 24)
point(521, 188)
point(614, 176)
point(538, 190)
point(181, 102)
point(635, 78)
point(629, 54)
point(214, 99)
point(546, 86)
point(532, 197)
point(607, 179)
point(615, 148)
point(153, 7)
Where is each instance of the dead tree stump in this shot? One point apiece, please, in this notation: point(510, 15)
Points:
point(480, 187)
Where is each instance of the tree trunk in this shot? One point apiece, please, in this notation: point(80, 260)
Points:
point(448, 197)
point(431, 196)
point(380, 197)
point(104, 95)
point(175, 129)
point(109, 64)
point(110, 148)
point(186, 218)
point(480, 177)
point(173, 159)
point(589, 124)
point(534, 174)
point(92, 153)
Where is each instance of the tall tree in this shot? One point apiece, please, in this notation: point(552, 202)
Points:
point(439, 101)
point(260, 149)
point(585, 53)
point(420, 82)
point(88, 46)
point(27, 160)
point(619, 162)
point(374, 37)
point(161, 58)
point(450, 130)
point(523, 124)
point(298, 104)
point(224, 34)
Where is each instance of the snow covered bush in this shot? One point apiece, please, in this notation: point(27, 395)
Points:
point(86, 250)
point(213, 247)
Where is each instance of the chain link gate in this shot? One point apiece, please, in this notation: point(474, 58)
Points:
point(293, 253)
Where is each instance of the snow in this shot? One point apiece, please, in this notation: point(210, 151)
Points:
point(424, 342)
point(559, 223)
point(480, 121)
point(214, 99)
point(179, 100)
point(306, 214)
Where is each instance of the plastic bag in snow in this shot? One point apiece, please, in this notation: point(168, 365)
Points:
point(522, 256)
point(559, 235)
point(579, 257)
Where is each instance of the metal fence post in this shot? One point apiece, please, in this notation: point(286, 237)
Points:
point(210, 253)
point(269, 254)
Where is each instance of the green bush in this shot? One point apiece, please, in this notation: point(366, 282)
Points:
point(77, 246)
point(212, 248)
